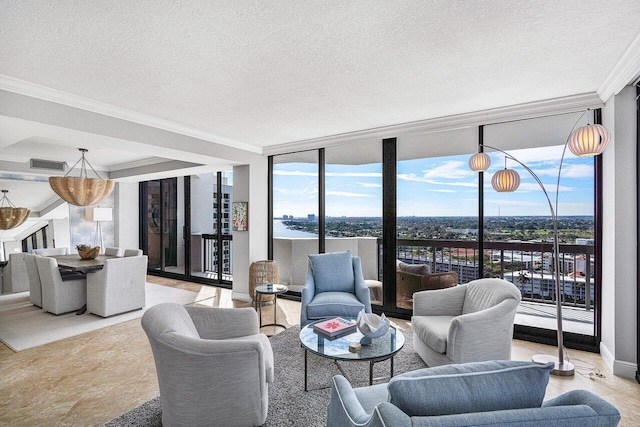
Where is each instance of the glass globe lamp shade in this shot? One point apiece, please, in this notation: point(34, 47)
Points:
point(479, 162)
point(505, 181)
point(589, 140)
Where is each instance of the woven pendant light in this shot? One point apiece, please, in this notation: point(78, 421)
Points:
point(11, 216)
point(82, 190)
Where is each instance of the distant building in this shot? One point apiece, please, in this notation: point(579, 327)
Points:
point(589, 242)
point(311, 217)
point(224, 222)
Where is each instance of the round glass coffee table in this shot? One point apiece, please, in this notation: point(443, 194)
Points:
point(380, 349)
point(270, 289)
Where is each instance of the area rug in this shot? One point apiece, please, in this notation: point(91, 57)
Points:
point(23, 325)
point(289, 404)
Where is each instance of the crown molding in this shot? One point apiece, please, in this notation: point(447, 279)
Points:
point(623, 72)
point(34, 90)
point(547, 107)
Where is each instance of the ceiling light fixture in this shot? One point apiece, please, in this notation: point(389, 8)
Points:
point(82, 190)
point(10, 215)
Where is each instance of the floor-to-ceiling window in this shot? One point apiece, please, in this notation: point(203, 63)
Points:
point(452, 221)
point(295, 214)
point(353, 207)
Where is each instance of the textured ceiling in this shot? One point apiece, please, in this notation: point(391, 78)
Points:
point(267, 73)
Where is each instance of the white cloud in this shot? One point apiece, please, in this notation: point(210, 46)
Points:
point(369, 184)
point(415, 178)
point(443, 191)
point(449, 169)
point(339, 174)
point(347, 194)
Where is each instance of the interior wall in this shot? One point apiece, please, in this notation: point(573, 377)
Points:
point(249, 185)
point(619, 287)
point(61, 232)
point(126, 215)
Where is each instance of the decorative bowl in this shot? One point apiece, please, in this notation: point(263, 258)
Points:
point(371, 325)
point(88, 252)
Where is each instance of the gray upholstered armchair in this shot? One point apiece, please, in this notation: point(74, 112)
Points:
point(466, 323)
point(213, 365)
point(335, 287)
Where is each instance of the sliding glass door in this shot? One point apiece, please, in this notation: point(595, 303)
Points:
point(185, 227)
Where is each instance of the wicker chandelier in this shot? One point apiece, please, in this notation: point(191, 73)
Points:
point(10, 216)
point(81, 190)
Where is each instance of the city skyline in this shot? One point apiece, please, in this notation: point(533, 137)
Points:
point(443, 186)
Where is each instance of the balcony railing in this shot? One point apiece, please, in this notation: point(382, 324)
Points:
point(211, 262)
point(529, 266)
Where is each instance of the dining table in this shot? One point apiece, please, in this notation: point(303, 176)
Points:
point(73, 262)
point(75, 265)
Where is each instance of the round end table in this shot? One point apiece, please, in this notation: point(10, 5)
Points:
point(270, 289)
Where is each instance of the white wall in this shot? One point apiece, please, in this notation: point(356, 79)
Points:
point(250, 185)
point(619, 287)
point(61, 232)
point(126, 215)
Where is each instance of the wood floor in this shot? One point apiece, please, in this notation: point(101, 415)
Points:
point(89, 379)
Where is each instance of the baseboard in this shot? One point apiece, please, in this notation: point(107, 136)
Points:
point(619, 368)
point(607, 356)
point(241, 296)
point(624, 369)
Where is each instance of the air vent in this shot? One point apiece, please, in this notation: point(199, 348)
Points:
point(48, 164)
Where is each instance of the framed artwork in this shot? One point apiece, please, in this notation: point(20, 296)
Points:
point(240, 216)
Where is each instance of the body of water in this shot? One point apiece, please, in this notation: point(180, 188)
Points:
point(281, 230)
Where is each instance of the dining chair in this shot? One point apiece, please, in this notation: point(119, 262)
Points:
point(117, 288)
point(35, 286)
point(51, 251)
point(60, 296)
point(113, 251)
point(14, 275)
point(132, 252)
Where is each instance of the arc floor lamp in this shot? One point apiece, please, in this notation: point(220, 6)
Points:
point(589, 140)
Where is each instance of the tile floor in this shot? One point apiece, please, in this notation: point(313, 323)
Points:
point(91, 378)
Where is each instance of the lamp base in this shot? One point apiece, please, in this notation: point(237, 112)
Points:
point(564, 369)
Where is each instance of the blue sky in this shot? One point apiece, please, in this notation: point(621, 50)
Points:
point(443, 186)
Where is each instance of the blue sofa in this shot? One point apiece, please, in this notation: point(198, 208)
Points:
point(494, 393)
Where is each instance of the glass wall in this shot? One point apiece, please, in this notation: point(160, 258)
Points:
point(353, 207)
point(519, 227)
point(436, 203)
point(295, 215)
point(448, 220)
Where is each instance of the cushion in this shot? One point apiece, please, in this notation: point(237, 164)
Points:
point(332, 272)
point(470, 387)
point(433, 331)
point(331, 304)
point(421, 269)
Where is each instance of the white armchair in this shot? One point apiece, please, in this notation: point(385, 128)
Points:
point(213, 365)
point(466, 323)
point(59, 296)
point(117, 288)
point(14, 275)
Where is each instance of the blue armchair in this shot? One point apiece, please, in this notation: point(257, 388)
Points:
point(334, 287)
